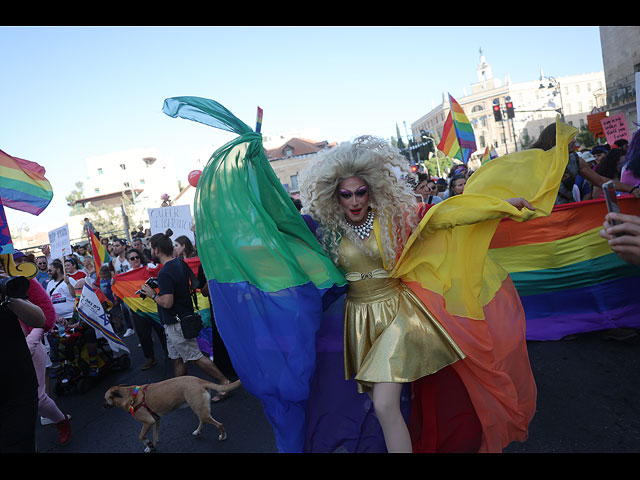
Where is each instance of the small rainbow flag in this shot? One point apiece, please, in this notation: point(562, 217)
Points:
point(23, 185)
point(100, 254)
point(259, 120)
point(567, 276)
point(488, 155)
point(458, 140)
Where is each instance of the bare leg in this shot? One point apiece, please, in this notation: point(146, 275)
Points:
point(179, 367)
point(386, 402)
point(207, 366)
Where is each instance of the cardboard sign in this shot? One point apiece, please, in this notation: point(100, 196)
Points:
point(59, 242)
point(594, 123)
point(615, 128)
point(176, 218)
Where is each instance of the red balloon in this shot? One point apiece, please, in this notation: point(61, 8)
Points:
point(194, 176)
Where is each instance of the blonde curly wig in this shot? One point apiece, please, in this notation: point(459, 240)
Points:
point(382, 167)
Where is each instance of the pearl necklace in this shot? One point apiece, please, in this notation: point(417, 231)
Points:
point(364, 230)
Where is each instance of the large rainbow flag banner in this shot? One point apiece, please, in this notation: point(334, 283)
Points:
point(23, 185)
point(568, 278)
point(126, 285)
point(458, 140)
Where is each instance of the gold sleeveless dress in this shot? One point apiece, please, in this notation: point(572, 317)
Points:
point(389, 335)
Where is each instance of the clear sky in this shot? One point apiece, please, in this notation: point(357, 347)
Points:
point(69, 93)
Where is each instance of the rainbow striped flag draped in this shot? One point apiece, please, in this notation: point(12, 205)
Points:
point(458, 140)
point(23, 185)
point(126, 285)
point(268, 276)
point(567, 276)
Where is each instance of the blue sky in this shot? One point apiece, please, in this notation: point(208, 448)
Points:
point(69, 93)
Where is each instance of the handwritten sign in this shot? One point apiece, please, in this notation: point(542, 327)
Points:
point(176, 218)
point(615, 128)
point(59, 242)
point(594, 121)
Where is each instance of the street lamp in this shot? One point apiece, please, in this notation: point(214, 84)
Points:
point(553, 83)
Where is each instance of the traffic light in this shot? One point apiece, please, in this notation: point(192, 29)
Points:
point(510, 112)
point(414, 168)
point(497, 113)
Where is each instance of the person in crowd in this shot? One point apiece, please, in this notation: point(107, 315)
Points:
point(81, 253)
point(547, 140)
point(183, 248)
point(120, 264)
point(624, 236)
point(609, 167)
point(138, 244)
point(35, 337)
point(174, 298)
point(19, 399)
point(598, 152)
point(144, 325)
point(90, 270)
point(119, 260)
point(61, 290)
point(630, 172)
point(88, 227)
point(457, 184)
point(427, 189)
point(43, 271)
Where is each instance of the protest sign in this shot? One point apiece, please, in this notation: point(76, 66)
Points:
point(615, 128)
point(176, 218)
point(594, 123)
point(59, 242)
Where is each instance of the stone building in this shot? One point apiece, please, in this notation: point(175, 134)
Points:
point(536, 104)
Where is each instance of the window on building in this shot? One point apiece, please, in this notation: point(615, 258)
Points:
point(97, 190)
point(99, 171)
point(126, 184)
point(142, 181)
point(123, 166)
point(288, 152)
point(294, 182)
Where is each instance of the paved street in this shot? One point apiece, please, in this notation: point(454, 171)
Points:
point(587, 403)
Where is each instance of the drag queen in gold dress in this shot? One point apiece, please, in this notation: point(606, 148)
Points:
point(408, 314)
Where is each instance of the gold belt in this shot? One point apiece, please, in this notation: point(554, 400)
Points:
point(377, 273)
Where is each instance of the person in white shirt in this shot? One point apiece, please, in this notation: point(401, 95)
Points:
point(61, 289)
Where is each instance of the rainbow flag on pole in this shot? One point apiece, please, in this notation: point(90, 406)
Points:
point(568, 278)
point(100, 254)
point(458, 140)
point(259, 120)
point(23, 185)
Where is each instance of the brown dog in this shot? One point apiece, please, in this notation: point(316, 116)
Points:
point(147, 403)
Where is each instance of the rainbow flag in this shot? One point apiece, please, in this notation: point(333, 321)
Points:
point(125, 285)
point(458, 139)
point(268, 276)
point(488, 155)
point(100, 254)
point(23, 185)
point(567, 276)
point(259, 120)
point(6, 242)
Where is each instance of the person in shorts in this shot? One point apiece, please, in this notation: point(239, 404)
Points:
point(174, 297)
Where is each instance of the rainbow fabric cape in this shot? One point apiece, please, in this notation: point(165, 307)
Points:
point(568, 278)
point(267, 274)
point(458, 140)
point(23, 185)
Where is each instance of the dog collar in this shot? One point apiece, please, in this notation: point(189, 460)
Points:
point(132, 410)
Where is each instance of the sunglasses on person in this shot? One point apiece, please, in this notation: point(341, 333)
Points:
point(136, 257)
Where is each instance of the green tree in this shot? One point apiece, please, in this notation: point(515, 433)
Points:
point(585, 137)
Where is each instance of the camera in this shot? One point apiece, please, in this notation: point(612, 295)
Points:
point(152, 282)
point(14, 287)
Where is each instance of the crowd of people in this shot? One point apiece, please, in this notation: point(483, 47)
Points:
point(53, 293)
point(56, 289)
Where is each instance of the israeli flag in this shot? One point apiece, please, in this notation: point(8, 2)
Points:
point(91, 311)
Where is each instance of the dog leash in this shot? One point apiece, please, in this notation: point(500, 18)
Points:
point(133, 410)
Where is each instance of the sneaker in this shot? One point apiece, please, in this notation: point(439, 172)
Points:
point(46, 421)
point(64, 431)
point(148, 364)
point(128, 333)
